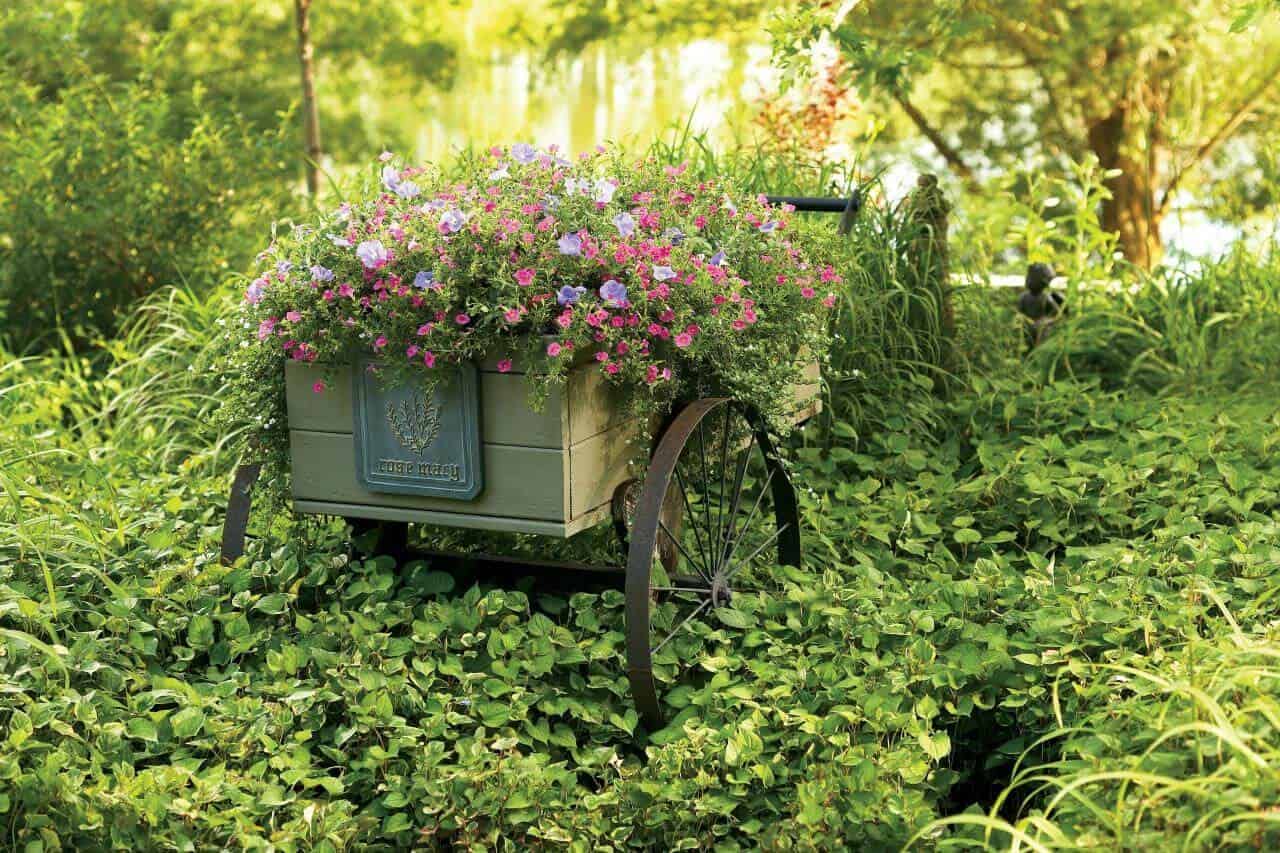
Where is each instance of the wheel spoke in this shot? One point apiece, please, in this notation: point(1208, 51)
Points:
point(721, 530)
point(700, 590)
point(746, 524)
point(733, 570)
point(706, 500)
point(743, 460)
point(678, 628)
point(703, 550)
point(697, 566)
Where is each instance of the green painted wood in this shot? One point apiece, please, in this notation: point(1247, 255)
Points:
point(594, 405)
point(505, 416)
point(520, 482)
point(468, 521)
point(599, 464)
point(326, 411)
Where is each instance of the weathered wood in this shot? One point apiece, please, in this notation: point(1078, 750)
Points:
point(594, 404)
point(598, 465)
point(521, 482)
point(470, 521)
point(505, 416)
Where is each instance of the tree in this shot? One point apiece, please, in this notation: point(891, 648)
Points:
point(1153, 88)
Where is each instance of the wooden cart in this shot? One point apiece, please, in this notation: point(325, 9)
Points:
point(714, 499)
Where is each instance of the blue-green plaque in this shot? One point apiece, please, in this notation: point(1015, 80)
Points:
point(413, 442)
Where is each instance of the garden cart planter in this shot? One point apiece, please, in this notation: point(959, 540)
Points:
point(713, 502)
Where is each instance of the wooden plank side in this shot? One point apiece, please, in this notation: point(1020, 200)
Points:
point(520, 482)
point(468, 521)
point(598, 465)
point(326, 411)
point(505, 416)
point(593, 404)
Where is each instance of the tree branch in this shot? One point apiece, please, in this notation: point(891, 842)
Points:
point(950, 154)
point(1221, 135)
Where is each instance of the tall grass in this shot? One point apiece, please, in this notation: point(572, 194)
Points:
point(1216, 325)
point(1184, 748)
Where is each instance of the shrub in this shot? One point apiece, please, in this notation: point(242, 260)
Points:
point(110, 191)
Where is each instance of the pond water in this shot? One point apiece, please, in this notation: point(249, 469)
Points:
point(607, 93)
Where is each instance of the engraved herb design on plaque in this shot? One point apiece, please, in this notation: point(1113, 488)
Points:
point(414, 421)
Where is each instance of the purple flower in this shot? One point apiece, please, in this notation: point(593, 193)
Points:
point(614, 293)
point(625, 224)
point(320, 273)
point(663, 273)
point(717, 260)
point(372, 254)
point(283, 267)
point(675, 235)
point(407, 189)
point(390, 177)
point(424, 279)
point(603, 192)
point(253, 294)
point(768, 227)
point(452, 221)
point(340, 241)
point(570, 244)
point(385, 156)
point(523, 153)
point(343, 212)
point(568, 294)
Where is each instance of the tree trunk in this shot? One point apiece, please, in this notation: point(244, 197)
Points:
point(1132, 212)
point(310, 111)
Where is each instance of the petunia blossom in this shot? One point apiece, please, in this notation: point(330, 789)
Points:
point(424, 279)
point(523, 153)
point(569, 294)
point(661, 273)
point(614, 293)
point(372, 254)
point(570, 244)
point(625, 223)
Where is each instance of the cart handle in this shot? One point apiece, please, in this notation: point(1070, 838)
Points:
point(848, 208)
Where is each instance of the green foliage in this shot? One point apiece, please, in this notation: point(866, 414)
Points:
point(111, 191)
point(978, 571)
point(1219, 325)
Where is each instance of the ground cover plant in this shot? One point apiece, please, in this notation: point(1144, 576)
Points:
point(999, 583)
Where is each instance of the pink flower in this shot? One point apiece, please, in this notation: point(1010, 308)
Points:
point(429, 358)
point(504, 365)
point(462, 319)
point(266, 327)
point(808, 292)
point(829, 300)
point(318, 387)
point(411, 350)
point(524, 277)
point(425, 329)
point(684, 339)
point(553, 349)
point(602, 356)
point(611, 368)
point(511, 315)
point(380, 342)
point(293, 317)
point(622, 348)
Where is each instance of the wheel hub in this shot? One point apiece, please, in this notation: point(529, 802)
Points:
point(721, 594)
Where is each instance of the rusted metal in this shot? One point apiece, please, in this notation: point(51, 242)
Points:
point(237, 521)
point(714, 551)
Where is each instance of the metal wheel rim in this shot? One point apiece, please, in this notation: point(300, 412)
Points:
point(646, 532)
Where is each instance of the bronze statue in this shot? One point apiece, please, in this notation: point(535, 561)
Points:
point(1040, 306)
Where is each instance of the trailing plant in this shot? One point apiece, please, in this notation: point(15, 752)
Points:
point(675, 287)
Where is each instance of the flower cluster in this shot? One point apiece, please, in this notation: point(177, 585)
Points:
point(672, 285)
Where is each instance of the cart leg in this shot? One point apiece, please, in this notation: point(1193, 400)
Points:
point(237, 519)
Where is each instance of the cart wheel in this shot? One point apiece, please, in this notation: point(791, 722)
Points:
point(713, 482)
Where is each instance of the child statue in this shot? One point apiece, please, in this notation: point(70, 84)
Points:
point(1040, 306)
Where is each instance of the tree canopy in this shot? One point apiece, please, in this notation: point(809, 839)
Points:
point(1154, 89)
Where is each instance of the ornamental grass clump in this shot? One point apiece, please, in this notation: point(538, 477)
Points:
point(675, 287)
